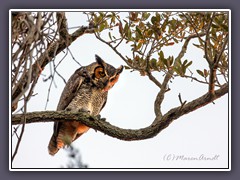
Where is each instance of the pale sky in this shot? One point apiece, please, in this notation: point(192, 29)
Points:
point(202, 133)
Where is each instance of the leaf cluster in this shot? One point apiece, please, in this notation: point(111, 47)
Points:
point(149, 33)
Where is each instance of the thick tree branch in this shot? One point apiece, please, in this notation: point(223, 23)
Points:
point(124, 134)
point(62, 26)
point(212, 77)
point(207, 40)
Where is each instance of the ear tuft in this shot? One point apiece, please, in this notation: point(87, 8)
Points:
point(99, 60)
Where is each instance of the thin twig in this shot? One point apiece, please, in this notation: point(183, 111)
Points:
point(118, 53)
point(182, 103)
point(74, 57)
point(23, 122)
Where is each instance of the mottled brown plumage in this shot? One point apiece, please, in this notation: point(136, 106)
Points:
point(86, 91)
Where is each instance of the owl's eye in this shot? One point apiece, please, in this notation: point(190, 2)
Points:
point(99, 72)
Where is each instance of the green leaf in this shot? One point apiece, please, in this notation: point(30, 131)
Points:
point(101, 27)
point(225, 27)
point(109, 16)
point(200, 72)
point(109, 34)
point(150, 32)
point(205, 73)
point(189, 64)
point(173, 24)
point(175, 40)
point(126, 28)
point(215, 26)
point(139, 46)
point(153, 64)
point(153, 20)
point(198, 46)
point(113, 19)
point(165, 62)
point(184, 63)
point(178, 70)
point(171, 61)
point(158, 18)
point(129, 33)
point(141, 25)
point(120, 28)
point(145, 16)
point(139, 32)
point(161, 55)
point(101, 14)
point(127, 67)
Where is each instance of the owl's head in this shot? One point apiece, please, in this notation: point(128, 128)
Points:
point(104, 75)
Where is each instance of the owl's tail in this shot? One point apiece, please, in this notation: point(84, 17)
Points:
point(52, 146)
point(65, 135)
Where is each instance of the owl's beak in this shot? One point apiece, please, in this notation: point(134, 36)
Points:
point(120, 69)
point(111, 83)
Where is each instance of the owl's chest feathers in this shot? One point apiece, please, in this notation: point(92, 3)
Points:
point(88, 98)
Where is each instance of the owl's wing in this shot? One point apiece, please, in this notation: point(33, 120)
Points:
point(104, 103)
point(71, 88)
point(69, 93)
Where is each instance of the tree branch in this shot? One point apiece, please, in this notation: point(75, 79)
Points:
point(62, 26)
point(213, 67)
point(153, 79)
point(124, 134)
point(50, 53)
point(207, 40)
point(160, 96)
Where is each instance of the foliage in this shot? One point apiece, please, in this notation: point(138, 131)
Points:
point(148, 33)
point(75, 159)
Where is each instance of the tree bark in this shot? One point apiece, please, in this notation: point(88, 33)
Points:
point(99, 124)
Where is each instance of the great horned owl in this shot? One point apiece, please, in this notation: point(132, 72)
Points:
point(86, 90)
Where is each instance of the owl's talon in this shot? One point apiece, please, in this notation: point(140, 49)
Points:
point(98, 116)
point(83, 110)
point(103, 119)
point(91, 119)
point(68, 109)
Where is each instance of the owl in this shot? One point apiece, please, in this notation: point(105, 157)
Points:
point(85, 91)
